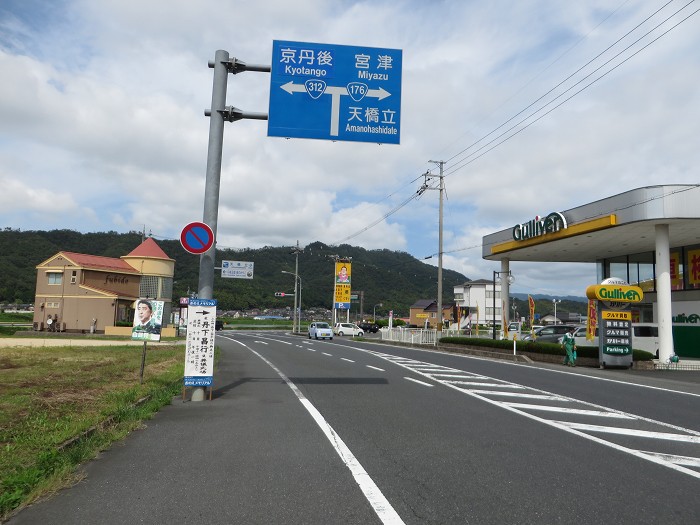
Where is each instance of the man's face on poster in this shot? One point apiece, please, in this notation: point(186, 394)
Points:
point(144, 312)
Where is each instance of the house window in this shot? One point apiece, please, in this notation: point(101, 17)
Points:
point(55, 277)
point(73, 277)
point(53, 305)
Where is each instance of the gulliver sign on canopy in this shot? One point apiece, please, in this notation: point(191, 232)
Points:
point(334, 92)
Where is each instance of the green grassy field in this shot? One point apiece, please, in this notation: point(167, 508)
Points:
point(60, 406)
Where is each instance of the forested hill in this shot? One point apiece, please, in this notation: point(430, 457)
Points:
point(395, 279)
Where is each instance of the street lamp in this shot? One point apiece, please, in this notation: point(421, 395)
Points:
point(296, 321)
point(554, 302)
point(374, 315)
point(497, 276)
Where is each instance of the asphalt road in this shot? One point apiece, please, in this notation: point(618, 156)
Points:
point(343, 431)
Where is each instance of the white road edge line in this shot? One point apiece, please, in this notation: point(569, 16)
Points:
point(419, 382)
point(385, 512)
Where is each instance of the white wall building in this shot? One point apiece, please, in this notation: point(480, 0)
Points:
point(477, 297)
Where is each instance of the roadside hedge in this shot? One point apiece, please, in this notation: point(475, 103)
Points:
point(537, 348)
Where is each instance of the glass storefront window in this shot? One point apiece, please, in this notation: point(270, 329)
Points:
point(641, 271)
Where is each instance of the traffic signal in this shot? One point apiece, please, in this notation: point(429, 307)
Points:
point(279, 294)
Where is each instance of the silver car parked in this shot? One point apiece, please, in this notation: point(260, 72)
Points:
point(548, 334)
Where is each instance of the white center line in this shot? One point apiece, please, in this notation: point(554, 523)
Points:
point(348, 360)
point(375, 368)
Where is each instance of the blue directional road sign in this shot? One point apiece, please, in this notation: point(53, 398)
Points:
point(334, 92)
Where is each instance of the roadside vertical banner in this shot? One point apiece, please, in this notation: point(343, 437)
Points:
point(199, 351)
point(592, 321)
point(531, 304)
point(477, 316)
point(343, 278)
point(504, 319)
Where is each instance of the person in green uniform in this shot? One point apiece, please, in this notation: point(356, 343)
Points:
point(569, 345)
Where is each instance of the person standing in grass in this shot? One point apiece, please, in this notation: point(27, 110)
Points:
point(569, 345)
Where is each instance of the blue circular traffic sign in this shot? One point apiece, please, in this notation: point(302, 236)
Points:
point(197, 237)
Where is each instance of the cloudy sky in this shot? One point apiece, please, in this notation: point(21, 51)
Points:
point(535, 105)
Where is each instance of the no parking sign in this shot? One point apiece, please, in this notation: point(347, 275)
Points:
point(197, 238)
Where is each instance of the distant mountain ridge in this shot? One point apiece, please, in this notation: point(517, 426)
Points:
point(537, 297)
point(384, 279)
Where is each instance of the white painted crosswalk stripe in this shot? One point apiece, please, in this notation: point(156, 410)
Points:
point(567, 410)
point(686, 461)
point(474, 383)
point(510, 394)
point(631, 432)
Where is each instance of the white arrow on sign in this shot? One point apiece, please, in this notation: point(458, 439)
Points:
point(336, 92)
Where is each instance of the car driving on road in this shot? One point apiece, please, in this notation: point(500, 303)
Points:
point(320, 330)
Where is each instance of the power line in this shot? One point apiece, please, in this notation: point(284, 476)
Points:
point(562, 82)
point(472, 156)
point(468, 161)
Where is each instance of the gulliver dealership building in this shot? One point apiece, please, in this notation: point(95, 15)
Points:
point(649, 237)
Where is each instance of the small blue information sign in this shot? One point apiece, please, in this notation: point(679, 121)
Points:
point(334, 92)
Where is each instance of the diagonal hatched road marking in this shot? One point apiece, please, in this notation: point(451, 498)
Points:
point(492, 390)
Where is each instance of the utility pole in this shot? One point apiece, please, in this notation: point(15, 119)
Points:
point(440, 163)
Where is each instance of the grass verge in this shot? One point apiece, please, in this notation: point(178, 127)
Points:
point(60, 406)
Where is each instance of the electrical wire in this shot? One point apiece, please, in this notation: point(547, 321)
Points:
point(473, 157)
point(562, 82)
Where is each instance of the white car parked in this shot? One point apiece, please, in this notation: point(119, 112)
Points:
point(320, 330)
point(347, 329)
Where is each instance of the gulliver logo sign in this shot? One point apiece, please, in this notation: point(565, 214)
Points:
point(615, 292)
point(538, 226)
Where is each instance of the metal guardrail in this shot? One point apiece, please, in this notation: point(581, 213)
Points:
point(416, 336)
point(421, 336)
point(683, 364)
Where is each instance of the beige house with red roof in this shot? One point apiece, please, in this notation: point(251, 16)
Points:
point(85, 293)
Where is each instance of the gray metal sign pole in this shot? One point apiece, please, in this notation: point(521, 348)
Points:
point(218, 113)
point(213, 180)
